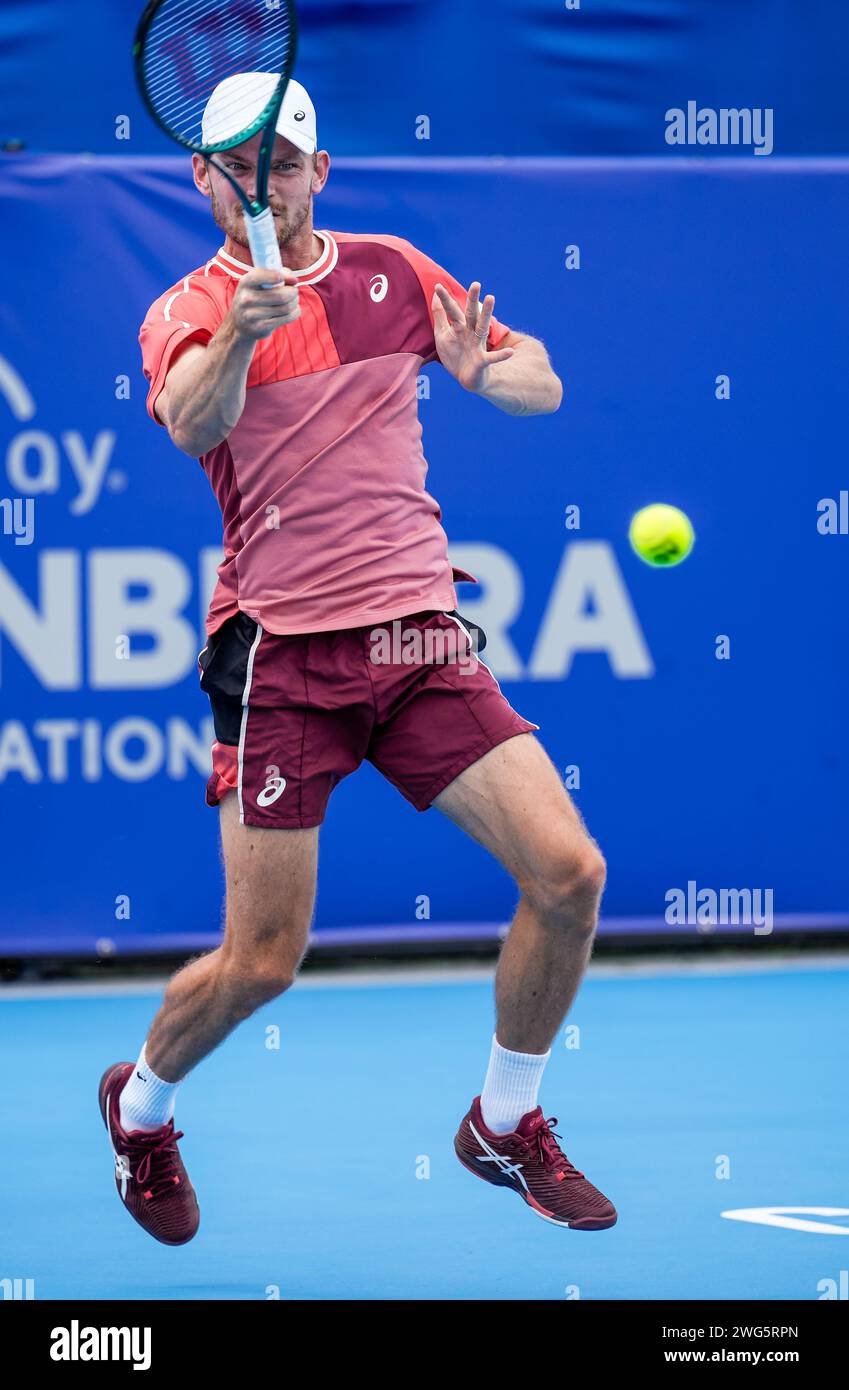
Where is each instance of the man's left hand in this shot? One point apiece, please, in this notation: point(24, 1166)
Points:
point(461, 336)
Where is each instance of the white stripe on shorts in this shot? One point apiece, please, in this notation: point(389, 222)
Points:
point(463, 628)
point(244, 725)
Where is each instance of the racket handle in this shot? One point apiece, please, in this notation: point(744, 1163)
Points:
point(262, 239)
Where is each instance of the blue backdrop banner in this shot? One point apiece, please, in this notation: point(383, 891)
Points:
point(457, 77)
point(696, 312)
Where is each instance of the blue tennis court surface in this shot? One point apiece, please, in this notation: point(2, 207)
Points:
point(305, 1158)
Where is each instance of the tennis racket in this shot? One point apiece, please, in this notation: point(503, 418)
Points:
point(183, 49)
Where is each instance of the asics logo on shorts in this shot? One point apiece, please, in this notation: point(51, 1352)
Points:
point(271, 791)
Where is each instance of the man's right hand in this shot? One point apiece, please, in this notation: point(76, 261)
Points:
point(264, 300)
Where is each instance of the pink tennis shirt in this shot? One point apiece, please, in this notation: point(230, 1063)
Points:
point(327, 520)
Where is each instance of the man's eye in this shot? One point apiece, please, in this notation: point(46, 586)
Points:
point(284, 165)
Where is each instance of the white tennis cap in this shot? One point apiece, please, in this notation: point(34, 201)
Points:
point(237, 101)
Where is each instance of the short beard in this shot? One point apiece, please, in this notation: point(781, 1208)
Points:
point(232, 223)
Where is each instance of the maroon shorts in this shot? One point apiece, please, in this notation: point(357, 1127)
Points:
point(294, 715)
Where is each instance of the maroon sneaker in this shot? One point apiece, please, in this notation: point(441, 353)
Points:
point(531, 1162)
point(149, 1174)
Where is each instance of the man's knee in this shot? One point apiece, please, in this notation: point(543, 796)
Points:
point(251, 981)
point(567, 888)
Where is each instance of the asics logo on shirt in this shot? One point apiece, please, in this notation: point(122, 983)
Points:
point(379, 286)
point(271, 791)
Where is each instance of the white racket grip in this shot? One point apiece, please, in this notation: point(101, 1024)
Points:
point(262, 239)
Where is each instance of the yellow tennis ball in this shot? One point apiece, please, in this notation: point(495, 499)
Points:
point(661, 535)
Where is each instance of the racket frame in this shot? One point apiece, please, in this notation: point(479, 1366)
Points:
point(259, 219)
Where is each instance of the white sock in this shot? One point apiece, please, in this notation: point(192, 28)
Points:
point(146, 1102)
point(511, 1085)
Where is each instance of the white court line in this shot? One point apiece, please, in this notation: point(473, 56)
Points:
point(412, 976)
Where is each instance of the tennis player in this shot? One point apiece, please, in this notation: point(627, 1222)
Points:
point(297, 393)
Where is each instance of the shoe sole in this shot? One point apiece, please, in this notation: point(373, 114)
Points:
point(583, 1223)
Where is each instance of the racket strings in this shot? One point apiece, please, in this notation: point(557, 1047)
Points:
point(190, 46)
point(178, 53)
point(180, 104)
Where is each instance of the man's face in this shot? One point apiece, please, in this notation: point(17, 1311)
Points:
point(293, 179)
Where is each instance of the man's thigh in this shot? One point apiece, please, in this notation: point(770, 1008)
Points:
point(439, 714)
point(513, 802)
point(271, 879)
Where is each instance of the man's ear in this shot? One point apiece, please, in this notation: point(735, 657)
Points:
point(320, 170)
point(200, 173)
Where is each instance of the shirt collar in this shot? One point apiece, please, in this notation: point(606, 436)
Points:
point(308, 276)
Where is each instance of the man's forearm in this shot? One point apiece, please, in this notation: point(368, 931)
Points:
point(525, 384)
point(205, 399)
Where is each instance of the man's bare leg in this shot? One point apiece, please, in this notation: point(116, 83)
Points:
point(513, 802)
point(270, 893)
point(271, 878)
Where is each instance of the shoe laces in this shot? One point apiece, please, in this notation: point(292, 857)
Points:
point(550, 1152)
point(156, 1170)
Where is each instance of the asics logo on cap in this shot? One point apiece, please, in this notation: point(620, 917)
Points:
point(300, 115)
